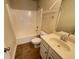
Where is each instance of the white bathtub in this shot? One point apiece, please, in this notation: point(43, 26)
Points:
point(27, 38)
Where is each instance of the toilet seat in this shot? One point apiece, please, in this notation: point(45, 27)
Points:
point(36, 40)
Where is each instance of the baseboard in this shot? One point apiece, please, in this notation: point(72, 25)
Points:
point(13, 57)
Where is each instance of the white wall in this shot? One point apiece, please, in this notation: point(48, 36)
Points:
point(9, 36)
point(67, 18)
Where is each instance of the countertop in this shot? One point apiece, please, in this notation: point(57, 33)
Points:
point(64, 52)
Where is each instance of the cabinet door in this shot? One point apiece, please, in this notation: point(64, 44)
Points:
point(54, 54)
point(43, 51)
point(50, 56)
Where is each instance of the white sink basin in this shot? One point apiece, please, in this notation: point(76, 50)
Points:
point(60, 44)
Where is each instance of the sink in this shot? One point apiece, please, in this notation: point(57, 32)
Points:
point(60, 44)
point(55, 41)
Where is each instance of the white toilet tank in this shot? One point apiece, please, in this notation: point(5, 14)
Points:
point(42, 33)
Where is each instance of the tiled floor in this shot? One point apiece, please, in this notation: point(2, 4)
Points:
point(27, 51)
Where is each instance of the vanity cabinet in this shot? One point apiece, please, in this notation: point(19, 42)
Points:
point(43, 50)
point(50, 56)
point(53, 54)
point(47, 52)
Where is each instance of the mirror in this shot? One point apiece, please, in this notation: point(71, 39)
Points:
point(67, 18)
point(63, 16)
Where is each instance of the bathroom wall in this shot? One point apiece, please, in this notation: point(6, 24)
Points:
point(67, 18)
point(23, 4)
point(23, 14)
point(39, 20)
point(9, 37)
point(46, 4)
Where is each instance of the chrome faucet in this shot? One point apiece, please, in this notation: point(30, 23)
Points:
point(65, 37)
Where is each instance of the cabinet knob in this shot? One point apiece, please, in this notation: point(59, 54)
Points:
point(45, 52)
point(49, 57)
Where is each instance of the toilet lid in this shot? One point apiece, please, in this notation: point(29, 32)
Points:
point(36, 40)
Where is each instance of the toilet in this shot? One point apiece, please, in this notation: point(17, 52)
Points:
point(36, 41)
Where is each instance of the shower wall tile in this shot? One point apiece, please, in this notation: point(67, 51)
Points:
point(24, 24)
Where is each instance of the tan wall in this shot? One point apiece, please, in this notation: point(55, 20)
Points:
point(9, 37)
point(67, 19)
point(24, 24)
point(45, 4)
point(23, 4)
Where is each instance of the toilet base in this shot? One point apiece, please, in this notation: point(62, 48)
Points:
point(36, 45)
